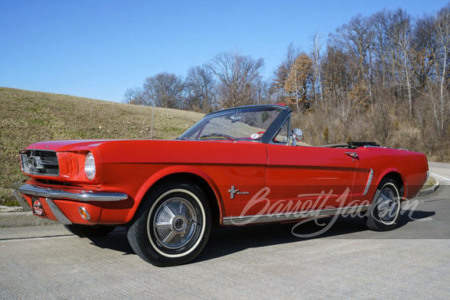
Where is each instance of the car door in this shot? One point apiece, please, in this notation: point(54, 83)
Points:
point(304, 178)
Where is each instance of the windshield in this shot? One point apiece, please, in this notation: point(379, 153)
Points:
point(248, 123)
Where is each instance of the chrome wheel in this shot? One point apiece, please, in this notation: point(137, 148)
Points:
point(384, 212)
point(175, 223)
point(388, 204)
point(172, 226)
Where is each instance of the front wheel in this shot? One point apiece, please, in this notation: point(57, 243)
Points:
point(173, 225)
point(386, 206)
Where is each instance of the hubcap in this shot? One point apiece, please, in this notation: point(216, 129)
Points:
point(388, 205)
point(174, 223)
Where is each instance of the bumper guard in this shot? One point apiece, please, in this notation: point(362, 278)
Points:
point(50, 194)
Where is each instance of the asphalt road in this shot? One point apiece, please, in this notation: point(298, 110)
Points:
point(265, 261)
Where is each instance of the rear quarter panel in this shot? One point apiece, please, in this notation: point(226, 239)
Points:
point(411, 166)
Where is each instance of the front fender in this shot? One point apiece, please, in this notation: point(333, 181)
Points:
point(173, 170)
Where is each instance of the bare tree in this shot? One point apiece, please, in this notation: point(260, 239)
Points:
point(441, 103)
point(236, 75)
point(379, 23)
point(281, 74)
point(317, 78)
point(200, 85)
point(356, 39)
point(402, 37)
point(338, 76)
point(299, 81)
point(164, 90)
point(264, 92)
point(424, 45)
point(134, 96)
point(443, 34)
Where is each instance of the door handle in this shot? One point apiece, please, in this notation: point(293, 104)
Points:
point(353, 155)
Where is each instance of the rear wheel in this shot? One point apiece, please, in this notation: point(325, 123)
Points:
point(89, 231)
point(386, 206)
point(173, 225)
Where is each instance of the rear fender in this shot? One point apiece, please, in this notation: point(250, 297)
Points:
point(393, 170)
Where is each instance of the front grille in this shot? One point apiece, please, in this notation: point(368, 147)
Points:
point(39, 162)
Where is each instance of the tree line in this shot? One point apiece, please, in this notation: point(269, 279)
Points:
point(383, 77)
point(230, 79)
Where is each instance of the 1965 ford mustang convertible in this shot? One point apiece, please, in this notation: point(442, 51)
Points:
point(238, 166)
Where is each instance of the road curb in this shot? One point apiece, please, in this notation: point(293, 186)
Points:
point(430, 190)
point(22, 219)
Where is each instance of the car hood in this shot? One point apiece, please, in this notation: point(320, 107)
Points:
point(67, 145)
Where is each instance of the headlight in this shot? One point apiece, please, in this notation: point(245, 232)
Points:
point(24, 163)
point(89, 166)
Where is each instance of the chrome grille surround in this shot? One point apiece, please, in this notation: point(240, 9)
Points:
point(39, 162)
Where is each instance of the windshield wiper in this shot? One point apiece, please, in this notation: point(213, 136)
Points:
point(220, 135)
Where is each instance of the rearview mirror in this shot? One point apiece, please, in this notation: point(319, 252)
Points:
point(297, 136)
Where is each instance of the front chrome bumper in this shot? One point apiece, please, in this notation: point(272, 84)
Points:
point(50, 194)
point(28, 189)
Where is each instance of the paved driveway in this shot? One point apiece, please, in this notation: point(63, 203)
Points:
point(264, 261)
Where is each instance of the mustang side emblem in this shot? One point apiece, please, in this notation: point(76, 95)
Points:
point(233, 192)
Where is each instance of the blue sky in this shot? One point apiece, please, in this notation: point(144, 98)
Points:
point(98, 49)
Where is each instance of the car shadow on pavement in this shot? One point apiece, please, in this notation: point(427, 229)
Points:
point(116, 240)
point(413, 215)
point(225, 241)
point(228, 240)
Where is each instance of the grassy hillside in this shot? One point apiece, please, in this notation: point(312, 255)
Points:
point(27, 117)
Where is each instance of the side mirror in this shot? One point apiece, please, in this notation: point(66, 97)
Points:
point(297, 136)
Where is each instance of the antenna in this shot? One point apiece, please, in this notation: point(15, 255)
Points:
point(151, 127)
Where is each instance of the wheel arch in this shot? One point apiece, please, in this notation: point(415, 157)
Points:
point(397, 177)
point(183, 174)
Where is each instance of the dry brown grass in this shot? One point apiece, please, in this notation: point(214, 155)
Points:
point(27, 117)
point(388, 124)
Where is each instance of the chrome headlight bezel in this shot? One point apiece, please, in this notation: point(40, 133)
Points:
point(23, 163)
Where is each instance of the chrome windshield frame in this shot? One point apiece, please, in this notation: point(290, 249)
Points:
point(267, 137)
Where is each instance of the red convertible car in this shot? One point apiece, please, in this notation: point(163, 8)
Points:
point(234, 167)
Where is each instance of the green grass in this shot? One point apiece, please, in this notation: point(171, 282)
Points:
point(27, 117)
